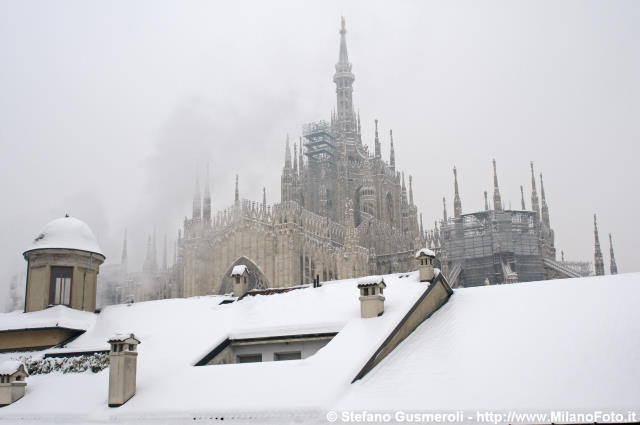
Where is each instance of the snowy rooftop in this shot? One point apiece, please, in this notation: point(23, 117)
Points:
point(370, 281)
point(9, 367)
point(124, 337)
point(425, 251)
point(238, 270)
point(567, 344)
point(69, 233)
point(58, 316)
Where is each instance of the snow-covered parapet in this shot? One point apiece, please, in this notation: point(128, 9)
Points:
point(67, 233)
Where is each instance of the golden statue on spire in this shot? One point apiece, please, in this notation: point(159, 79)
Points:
point(343, 23)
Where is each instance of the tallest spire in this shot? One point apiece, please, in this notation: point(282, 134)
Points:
point(343, 58)
point(344, 86)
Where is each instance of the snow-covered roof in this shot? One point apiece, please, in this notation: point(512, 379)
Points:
point(58, 316)
point(238, 270)
point(567, 344)
point(177, 333)
point(68, 233)
point(425, 251)
point(129, 338)
point(9, 367)
point(563, 344)
point(370, 281)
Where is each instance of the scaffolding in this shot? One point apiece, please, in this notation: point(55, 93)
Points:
point(319, 140)
point(501, 246)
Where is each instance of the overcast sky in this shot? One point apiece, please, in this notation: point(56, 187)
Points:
point(108, 110)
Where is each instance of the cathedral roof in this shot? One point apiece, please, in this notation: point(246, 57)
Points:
point(67, 233)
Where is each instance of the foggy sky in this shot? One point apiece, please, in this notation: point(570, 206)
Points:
point(109, 110)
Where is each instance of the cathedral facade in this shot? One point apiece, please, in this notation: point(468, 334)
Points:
point(344, 212)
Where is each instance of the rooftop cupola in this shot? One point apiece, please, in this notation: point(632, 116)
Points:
point(426, 260)
point(371, 298)
point(62, 266)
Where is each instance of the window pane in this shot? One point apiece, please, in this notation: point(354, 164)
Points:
point(56, 299)
point(294, 355)
point(250, 358)
point(66, 290)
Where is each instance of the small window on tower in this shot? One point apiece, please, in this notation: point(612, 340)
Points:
point(60, 286)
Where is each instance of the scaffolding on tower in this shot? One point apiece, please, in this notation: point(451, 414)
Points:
point(319, 143)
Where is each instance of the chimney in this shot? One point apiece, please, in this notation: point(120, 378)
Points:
point(12, 381)
point(240, 276)
point(123, 359)
point(426, 259)
point(371, 298)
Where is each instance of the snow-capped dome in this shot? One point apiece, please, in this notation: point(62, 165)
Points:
point(68, 233)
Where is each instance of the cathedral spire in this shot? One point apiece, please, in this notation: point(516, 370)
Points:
point(535, 206)
point(237, 191)
point(421, 228)
point(300, 159)
point(598, 261)
point(444, 209)
point(486, 201)
point(164, 254)
point(197, 201)
point(410, 190)
point(497, 201)
point(613, 267)
point(295, 158)
point(392, 156)
point(377, 141)
point(287, 155)
point(545, 208)
point(206, 210)
point(404, 190)
point(457, 203)
point(264, 197)
point(123, 260)
point(344, 85)
point(522, 198)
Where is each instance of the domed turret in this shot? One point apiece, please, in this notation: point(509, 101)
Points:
point(67, 233)
point(62, 266)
